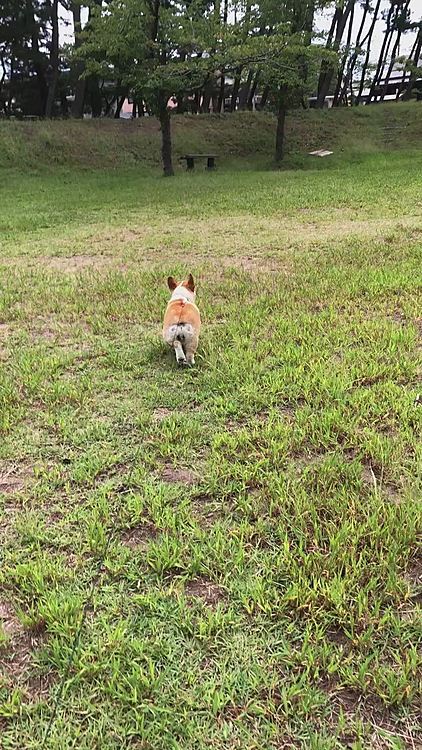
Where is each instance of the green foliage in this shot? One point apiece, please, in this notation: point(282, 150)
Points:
point(153, 47)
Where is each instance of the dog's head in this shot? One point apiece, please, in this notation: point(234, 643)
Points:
point(185, 288)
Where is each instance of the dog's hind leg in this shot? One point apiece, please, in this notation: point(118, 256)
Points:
point(191, 345)
point(180, 354)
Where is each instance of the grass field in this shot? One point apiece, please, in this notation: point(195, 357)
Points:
point(240, 539)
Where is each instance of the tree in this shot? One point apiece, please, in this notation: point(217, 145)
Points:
point(341, 15)
point(400, 25)
point(288, 64)
point(23, 55)
point(368, 53)
point(78, 67)
point(285, 58)
point(53, 68)
point(413, 63)
point(345, 78)
point(397, 20)
point(139, 42)
point(289, 82)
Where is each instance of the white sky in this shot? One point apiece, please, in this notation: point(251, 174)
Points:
point(323, 21)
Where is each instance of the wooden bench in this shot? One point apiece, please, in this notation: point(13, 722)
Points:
point(190, 160)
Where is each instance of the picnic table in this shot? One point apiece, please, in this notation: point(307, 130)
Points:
point(190, 160)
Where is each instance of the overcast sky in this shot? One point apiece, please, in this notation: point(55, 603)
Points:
point(322, 23)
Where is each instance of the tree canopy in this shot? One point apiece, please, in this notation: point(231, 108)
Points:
point(203, 56)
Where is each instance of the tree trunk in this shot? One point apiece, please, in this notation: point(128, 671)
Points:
point(64, 103)
point(418, 49)
point(119, 105)
point(236, 87)
point(221, 95)
point(80, 86)
point(164, 116)
point(38, 67)
point(252, 91)
point(95, 97)
point(382, 63)
point(220, 100)
point(394, 51)
point(336, 16)
point(401, 88)
point(368, 53)
point(85, 87)
point(348, 78)
point(328, 71)
point(341, 75)
point(79, 100)
point(54, 59)
point(264, 98)
point(244, 91)
point(383, 52)
point(206, 95)
point(281, 121)
point(400, 12)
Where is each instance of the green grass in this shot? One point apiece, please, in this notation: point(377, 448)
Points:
point(242, 139)
point(261, 588)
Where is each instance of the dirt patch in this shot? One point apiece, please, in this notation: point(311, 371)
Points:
point(409, 611)
point(414, 573)
point(369, 710)
point(10, 484)
point(65, 263)
point(16, 655)
point(205, 589)
point(287, 410)
point(368, 476)
point(5, 331)
point(131, 235)
point(143, 246)
point(17, 660)
point(367, 381)
point(252, 264)
point(373, 480)
point(75, 263)
point(203, 511)
point(172, 475)
point(139, 536)
point(161, 413)
point(308, 460)
point(49, 328)
point(13, 479)
point(413, 576)
point(37, 688)
point(8, 620)
point(232, 425)
point(338, 637)
point(398, 317)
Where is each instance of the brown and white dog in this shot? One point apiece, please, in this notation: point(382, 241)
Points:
point(182, 321)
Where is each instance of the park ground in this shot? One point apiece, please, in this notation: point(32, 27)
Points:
point(242, 537)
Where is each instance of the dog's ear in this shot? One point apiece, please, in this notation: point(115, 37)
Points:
point(172, 284)
point(190, 284)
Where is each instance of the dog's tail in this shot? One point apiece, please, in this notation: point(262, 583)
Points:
point(180, 333)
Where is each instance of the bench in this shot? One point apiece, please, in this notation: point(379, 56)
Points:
point(190, 160)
